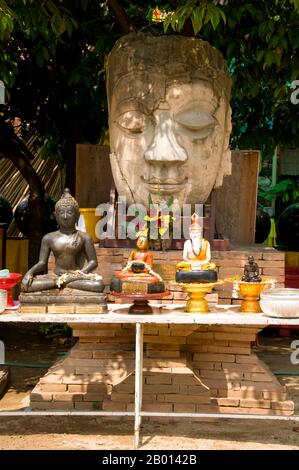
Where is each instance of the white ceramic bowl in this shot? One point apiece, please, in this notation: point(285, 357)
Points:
point(3, 300)
point(280, 303)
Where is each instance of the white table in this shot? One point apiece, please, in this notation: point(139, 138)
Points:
point(170, 314)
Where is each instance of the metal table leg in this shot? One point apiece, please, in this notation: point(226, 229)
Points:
point(138, 381)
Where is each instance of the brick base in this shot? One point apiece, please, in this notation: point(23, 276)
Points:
point(187, 368)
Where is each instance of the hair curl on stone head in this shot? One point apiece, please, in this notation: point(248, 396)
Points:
point(67, 200)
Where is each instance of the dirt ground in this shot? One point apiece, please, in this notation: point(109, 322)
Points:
point(26, 345)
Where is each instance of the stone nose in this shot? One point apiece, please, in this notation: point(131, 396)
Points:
point(164, 149)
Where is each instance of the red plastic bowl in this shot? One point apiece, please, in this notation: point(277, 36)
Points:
point(7, 283)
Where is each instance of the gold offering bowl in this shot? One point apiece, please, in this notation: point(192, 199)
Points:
point(250, 291)
point(196, 302)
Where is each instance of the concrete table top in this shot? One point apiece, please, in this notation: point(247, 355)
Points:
point(163, 314)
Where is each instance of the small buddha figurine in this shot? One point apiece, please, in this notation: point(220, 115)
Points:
point(74, 252)
point(251, 271)
point(197, 251)
point(138, 275)
point(140, 256)
point(196, 266)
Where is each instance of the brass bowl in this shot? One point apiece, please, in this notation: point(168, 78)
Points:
point(251, 291)
point(196, 302)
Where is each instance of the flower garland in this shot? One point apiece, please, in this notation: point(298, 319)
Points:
point(80, 274)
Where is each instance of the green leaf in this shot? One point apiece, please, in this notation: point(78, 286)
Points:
point(150, 200)
point(223, 15)
point(170, 201)
point(269, 59)
point(68, 26)
point(181, 22)
point(260, 55)
point(213, 15)
point(174, 22)
point(167, 22)
point(295, 4)
point(263, 29)
point(197, 18)
point(4, 22)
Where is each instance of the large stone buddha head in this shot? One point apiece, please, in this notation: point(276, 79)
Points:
point(169, 117)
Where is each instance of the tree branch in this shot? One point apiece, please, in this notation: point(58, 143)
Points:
point(121, 16)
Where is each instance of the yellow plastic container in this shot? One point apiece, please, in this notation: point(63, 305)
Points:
point(292, 259)
point(90, 221)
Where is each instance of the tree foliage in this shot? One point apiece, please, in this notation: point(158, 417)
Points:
point(52, 63)
point(260, 41)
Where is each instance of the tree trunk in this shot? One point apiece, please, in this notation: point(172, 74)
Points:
point(121, 16)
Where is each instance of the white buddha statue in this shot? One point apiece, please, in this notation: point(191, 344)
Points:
point(197, 251)
point(196, 265)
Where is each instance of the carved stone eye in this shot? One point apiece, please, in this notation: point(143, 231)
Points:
point(133, 121)
point(196, 120)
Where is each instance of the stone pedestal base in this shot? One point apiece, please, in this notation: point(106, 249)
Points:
point(187, 368)
point(63, 301)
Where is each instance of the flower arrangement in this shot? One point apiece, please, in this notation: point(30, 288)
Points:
point(158, 223)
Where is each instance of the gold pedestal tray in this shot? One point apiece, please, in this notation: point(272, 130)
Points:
point(140, 304)
point(250, 291)
point(196, 302)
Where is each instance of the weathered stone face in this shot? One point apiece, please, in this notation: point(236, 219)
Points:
point(169, 118)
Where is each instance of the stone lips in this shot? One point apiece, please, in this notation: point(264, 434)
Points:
point(202, 276)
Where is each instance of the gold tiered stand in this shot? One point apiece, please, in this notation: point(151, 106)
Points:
point(250, 291)
point(196, 302)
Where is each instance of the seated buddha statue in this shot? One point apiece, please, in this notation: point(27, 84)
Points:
point(140, 260)
point(196, 265)
point(251, 271)
point(74, 253)
point(138, 277)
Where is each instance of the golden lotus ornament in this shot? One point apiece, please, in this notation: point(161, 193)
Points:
point(250, 291)
point(196, 302)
